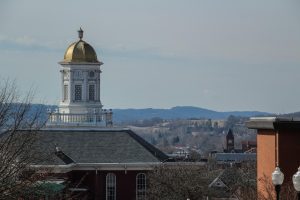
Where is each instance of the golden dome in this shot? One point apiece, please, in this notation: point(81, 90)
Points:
point(80, 52)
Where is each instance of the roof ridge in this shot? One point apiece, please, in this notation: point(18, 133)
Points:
point(149, 147)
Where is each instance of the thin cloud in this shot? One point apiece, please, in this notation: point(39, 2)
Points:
point(124, 51)
point(24, 43)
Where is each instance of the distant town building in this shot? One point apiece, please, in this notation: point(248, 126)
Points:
point(233, 158)
point(230, 141)
point(231, 155)
point(202, 122)
point(249, 146)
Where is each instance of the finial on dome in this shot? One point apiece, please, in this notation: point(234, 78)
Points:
point(80, 33)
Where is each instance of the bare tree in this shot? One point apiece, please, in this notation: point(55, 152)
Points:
point(241, 180)
point(182, 181)
point(19, 124)
point(179, 181)
point(268, 191)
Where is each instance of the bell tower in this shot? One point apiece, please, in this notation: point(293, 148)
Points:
point(229, 141)
point(80, 86)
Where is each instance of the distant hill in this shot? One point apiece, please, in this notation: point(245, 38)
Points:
point(294, 115)
point(179, 112)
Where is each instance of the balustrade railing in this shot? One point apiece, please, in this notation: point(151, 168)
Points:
point(91, 119)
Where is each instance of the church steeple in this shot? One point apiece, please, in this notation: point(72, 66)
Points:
point(229, 141)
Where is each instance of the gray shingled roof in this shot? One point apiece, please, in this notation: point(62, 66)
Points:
point(235, 157)
point(98, 146)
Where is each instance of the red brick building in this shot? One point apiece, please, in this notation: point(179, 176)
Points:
point(278, 144)
point(102, 164)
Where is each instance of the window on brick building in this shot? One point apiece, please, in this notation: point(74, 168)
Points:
point(110, 186)
point(141, 186)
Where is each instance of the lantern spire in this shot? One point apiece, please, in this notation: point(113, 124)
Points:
point(80, 33)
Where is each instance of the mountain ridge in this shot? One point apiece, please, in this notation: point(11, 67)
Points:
point(178, 112)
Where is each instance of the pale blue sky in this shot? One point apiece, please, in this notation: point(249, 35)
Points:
point(216, 54)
